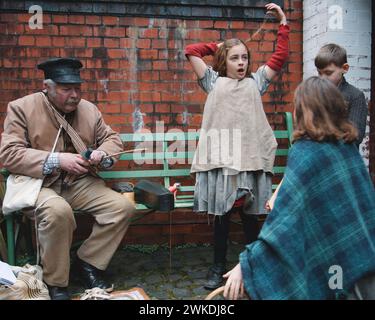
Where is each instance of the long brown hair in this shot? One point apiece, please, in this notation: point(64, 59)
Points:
point(321, 112)
point(220, 58)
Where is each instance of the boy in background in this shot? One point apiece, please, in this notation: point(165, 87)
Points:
point(332, 64)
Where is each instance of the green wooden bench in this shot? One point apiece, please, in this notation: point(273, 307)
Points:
point(169, 169)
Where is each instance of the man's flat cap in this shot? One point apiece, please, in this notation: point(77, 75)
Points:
point(62, 70)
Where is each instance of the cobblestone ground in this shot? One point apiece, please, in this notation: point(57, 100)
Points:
point(164, 274)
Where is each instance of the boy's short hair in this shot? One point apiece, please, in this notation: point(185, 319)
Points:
point(331, 53)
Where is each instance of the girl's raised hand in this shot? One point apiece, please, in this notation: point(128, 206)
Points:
point(276, 11)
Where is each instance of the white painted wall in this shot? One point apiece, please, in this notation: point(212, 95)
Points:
point(347, 23)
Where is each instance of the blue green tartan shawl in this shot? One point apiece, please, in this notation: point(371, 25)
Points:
point(324, 216)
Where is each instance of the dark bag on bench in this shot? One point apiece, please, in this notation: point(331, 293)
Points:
point(153, 195)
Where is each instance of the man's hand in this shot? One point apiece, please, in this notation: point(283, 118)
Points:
point(73, 163)
point(96, 157)
point(234, 285)
point(276, 11)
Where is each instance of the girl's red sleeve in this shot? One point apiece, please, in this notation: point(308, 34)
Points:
point(201, 49)
point(281, 53)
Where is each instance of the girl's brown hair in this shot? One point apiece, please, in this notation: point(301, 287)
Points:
point(321, 112)
point(220, 58)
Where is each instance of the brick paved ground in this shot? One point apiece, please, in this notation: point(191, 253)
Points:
point(163, 274)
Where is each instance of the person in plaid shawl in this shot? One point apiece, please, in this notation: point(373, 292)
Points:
point(318, 241)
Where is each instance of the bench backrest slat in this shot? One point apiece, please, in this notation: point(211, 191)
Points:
point(145, 173)
point(167, 152)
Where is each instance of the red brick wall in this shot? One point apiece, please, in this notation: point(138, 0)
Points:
point(134, 63)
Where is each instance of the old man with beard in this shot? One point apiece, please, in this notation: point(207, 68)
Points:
point(32, 126)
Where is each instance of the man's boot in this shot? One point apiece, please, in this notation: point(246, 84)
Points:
point(58, 293)
point(215, 276)
point(90, 276)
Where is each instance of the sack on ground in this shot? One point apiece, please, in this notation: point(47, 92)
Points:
point(29, 285)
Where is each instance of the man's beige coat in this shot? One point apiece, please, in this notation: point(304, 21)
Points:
point(30, 130)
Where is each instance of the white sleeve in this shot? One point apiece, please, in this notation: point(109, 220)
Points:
point(208, 81)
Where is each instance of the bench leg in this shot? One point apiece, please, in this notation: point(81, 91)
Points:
point(10, 240)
